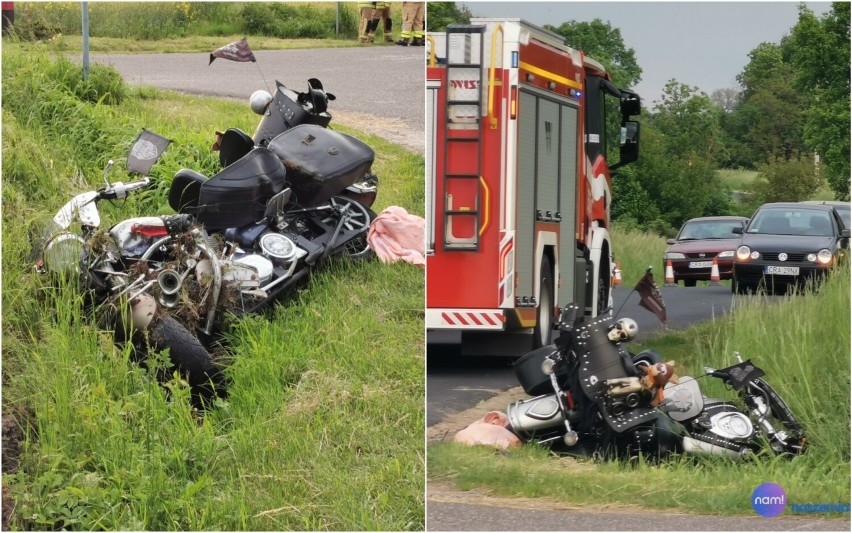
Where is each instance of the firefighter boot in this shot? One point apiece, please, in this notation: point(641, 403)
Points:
point(417, 41)
point(402, 42)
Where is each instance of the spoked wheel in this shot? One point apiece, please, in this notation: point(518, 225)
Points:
point(358, 219)
point(781, 417)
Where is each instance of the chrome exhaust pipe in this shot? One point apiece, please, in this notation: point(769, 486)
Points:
point(170, 283)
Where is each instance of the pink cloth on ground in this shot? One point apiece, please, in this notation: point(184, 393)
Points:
point(397, 235)
point(490, 430)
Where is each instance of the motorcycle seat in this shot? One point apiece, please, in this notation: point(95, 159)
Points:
point(234, 146)
point(185, 190)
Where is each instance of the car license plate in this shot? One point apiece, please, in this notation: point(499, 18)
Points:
point(784, 271)
point(701, 264)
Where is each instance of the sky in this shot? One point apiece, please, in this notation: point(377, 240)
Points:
point(703, 44)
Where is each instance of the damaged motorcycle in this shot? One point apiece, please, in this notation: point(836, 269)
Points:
point(593, 397)
point(238, 240)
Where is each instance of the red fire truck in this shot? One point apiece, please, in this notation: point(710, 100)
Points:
point(520, 130)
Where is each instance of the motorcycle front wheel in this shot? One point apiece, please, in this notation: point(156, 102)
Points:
point(188, 356)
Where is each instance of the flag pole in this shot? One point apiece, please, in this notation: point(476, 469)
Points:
point(263, 77)
point(623, 303)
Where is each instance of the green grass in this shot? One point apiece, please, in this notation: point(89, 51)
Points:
point(803, 345)
point(737, 180)
point(635, 251)
point(323, 426)
point(43, 21)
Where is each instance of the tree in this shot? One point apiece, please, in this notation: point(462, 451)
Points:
point(727, 99)
point(690, 122)
point(820, 51)
point(787, 180)
point(768, 122)
point(674, 179)
point(442, 14)
point(600, 41)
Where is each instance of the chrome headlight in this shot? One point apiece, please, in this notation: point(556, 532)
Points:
point(812, 258)
point(726, 253)
point(824, 256)
point(674, 255)
point(743, 253)
point(64, 253)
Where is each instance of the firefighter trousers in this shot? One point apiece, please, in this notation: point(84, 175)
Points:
point(412, 20)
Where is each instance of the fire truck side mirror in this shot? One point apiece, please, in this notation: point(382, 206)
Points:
point(629, 142)
point(630, 104)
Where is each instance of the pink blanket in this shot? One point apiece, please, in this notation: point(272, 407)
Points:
point(397, 235)
point(490, 430)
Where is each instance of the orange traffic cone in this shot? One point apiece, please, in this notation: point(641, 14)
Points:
point(670, 281)
point(714, 273)
point(616, 278)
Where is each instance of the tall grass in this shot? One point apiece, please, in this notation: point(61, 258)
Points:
point(168, 20)
point(635, 250)
point(323, 426)
point(803, 344)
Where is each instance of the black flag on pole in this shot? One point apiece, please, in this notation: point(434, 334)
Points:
point(236, 51)
point(651, 300)
point(146, 150)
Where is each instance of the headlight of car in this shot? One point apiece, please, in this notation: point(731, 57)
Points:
point(726, 253)
point(674, 255)
point(824, 256)
point(743, 253)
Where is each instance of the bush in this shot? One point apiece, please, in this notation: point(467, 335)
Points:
point(789, 180)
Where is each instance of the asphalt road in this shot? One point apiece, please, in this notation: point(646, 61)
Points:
point(455, 383)
point(443, 516)
point(380, 88)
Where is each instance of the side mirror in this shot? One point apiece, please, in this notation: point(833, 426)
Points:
point(630, 104)
point(671, 241)
point(629, 142)
point(737, 230)
point(845, 233)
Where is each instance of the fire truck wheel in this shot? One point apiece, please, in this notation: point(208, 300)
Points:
point(543, 332)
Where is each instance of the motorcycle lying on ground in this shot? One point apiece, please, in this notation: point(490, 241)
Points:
point(238, 240)
point(593, 397)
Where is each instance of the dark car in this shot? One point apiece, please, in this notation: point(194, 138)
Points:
point(844, 209)
point(787, 244)
point(698, 242)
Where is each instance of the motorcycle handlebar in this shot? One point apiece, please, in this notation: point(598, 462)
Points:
point(120, 190)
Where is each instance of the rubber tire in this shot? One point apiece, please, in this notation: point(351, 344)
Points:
point(188, 356)
point(690, 282)
point(363, 253)
point(543, 332)
point(603, 287)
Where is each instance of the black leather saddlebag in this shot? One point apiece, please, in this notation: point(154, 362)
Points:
point(320, 162)
point(529, 373)
point(237, 195)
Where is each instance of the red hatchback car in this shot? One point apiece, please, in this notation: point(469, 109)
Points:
point(698, 242)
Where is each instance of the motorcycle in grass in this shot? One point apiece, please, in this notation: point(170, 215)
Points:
point(592, 397)
point(238, 240)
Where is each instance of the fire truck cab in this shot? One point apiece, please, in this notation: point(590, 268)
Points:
point(520, 131)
